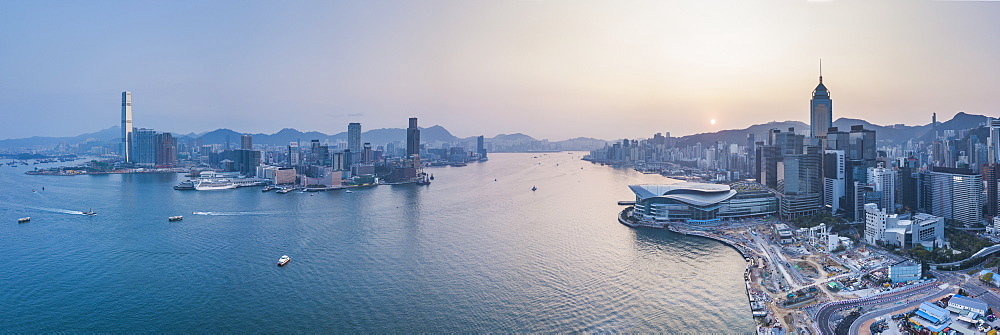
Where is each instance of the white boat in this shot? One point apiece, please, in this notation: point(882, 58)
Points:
point(209, 184)
point(175, 218)
point(284, 260)
point(90, 212)
point(24, 219)
point(349, 191)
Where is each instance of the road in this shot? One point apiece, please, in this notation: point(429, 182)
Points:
point(911, 303)
point(824, 314)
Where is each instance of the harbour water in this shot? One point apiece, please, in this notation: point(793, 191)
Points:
point(475, 251)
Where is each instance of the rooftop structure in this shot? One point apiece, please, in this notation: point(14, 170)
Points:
point(701, 202)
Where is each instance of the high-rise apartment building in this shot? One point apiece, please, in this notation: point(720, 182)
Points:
point(126, 145)
point(481, 147)
point(834, 179)
point(166, 149)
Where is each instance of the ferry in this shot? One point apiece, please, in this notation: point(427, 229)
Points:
point(267, 188)
point(284, 260)
point(185, 185)
point(24, 219)
point(284, 190)
point(175, 218)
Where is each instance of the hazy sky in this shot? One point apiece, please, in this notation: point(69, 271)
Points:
point(550, 69)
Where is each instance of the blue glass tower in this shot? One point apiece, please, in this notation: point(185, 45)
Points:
point(820, 108)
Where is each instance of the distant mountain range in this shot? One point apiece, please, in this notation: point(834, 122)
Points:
point(887, 135)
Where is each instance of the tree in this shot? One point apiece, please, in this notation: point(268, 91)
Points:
point(988, 277)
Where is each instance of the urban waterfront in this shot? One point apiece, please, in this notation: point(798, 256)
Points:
point(475, 251)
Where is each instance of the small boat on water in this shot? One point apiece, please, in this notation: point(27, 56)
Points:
point(90, 212)
point(534, 188)
point(432, 176)
point(267, 188)
point(349, 191)
point(284, 260)
point(284, 190)
point(175, 218)
point(24, 219)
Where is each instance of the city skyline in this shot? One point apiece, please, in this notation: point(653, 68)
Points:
point(504, 67)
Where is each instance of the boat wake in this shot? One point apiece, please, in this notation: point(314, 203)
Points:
point(237, 213)
point(57, 210)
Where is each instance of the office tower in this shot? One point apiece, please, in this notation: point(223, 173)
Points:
point(246, 142)
point(126, 145)
point(144, 145)
point(883, 183)
point(246, 161)
point(907, 195)
point(481, 147)
point(820, 109)
point(993, 155)
point(834, 180)
point(337, 161)
point(294, 155)
point(166, 149)
point(952, 193)
point(801, 185)
point(412, 138)
point(991, 176)
point(837, 139)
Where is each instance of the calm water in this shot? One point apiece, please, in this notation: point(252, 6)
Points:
point(466, 253)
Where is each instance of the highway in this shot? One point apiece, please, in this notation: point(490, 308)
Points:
point(825, 313)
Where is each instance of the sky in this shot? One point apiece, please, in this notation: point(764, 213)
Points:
point(549, 69)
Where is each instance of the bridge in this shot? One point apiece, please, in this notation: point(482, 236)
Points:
point(984, 252)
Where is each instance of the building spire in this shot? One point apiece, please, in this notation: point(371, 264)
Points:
point(820, 70)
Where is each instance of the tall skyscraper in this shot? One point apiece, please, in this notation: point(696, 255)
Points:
point(412, 138)
point(166, 149)
point(834, 180)
point(481, 147)
point(246, 142)
point(354, 138)
point(126, 145)
point(993, 155)
point(820, 108)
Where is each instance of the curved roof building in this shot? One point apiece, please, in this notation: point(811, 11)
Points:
point(700, 202)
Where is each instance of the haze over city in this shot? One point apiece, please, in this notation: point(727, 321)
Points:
point(551, 69)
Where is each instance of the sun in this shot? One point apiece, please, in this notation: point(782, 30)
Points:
point(712, 121)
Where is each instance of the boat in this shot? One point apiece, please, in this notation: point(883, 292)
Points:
point(90, 212)
point(349, 191)
point(284, 190)
point(24, 219)
point(209, 184)
point(175, 218)
point(284, 260)
point(267, 188)
point(432, 176)
point(185, 185)
point(534, 188)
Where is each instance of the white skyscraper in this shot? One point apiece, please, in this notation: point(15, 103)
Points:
point(126, 145)
point(884, 181)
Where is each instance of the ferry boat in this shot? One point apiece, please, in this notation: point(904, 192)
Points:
point(284, 190)
point(284, 260)
point(175, 218)
point(24, 219)
point(90, 212)
point(185, 185)
point(267, 188)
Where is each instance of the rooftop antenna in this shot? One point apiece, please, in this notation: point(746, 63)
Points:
point(820, 70)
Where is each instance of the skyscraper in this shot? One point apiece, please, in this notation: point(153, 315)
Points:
point(126, 145)
point(820, 108)
point(952, 193)
point(144, 146)
point(354, 140)
point(883, 182)
point(246, 142)
point(412, 138)
point(481, 147)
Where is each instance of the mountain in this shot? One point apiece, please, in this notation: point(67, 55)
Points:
point(740, 135)
point(108, 134)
